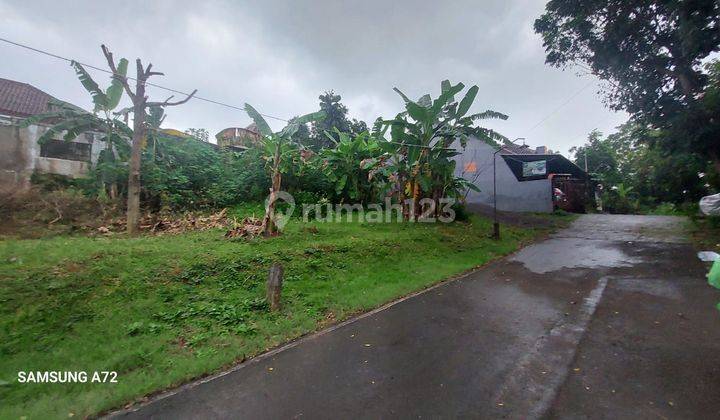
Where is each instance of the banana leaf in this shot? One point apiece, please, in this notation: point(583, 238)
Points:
point(99, 98)
point(115, 90)
point(466, 102)
point(260, 122)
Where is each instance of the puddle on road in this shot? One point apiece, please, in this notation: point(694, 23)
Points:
point(556, 254)
point(662, 288)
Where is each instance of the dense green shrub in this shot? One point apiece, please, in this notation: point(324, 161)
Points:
point(665, 209)
point(52, 182)
point(185, 174)
point(243, 178)
point(461, 212)
point(180, 173)
point(303, 178)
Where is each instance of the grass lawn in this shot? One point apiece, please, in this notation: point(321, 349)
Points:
point(163, 310)
point(705, 233)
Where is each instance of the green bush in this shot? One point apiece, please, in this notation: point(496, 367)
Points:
point(52, 182)
point(714, 222)
point(461, 212)
point(244, 178)
point(619, 201)
point(666, 209)
point(183, 174)
point(186, 174)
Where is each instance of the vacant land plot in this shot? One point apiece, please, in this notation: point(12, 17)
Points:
point(162, 310)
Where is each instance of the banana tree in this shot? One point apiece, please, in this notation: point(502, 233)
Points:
point(278, 147)
point(422, 139)
point(352, 164)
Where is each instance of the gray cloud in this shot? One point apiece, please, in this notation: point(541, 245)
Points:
point(280, 55)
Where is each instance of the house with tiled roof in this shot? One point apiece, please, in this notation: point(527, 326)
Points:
point(20, 153)
point(21, 99)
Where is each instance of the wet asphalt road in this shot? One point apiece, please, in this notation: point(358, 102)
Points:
point(610, 318)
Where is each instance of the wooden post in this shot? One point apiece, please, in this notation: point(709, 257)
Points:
point(274, 286)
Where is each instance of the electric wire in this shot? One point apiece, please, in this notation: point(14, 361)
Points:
point(155, 85)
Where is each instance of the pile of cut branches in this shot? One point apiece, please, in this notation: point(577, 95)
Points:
point(249, 227)
point(161, 224)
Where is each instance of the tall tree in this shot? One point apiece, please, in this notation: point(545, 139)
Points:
point(650, 53)
point(625, 161)
point(302, 135)
point(140, 107)
point(357, 127)
point(336, 119)
point(600, 158)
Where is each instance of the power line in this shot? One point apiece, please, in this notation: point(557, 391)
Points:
point(59, 57)
point(554, 111)
point(212, 101)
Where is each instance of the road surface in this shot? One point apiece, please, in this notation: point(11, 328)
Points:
point(609, 318)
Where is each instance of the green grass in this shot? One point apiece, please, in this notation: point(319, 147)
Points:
point(705, 233)
point(163, 310)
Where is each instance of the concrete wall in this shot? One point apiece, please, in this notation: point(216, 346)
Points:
point(475, 163)
point(20, 155)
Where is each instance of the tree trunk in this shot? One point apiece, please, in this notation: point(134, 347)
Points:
point(401, 196)
point(687, 85)
point(409, 209)
point(113, 185)
point(416, 210)
point(133, 200)
point(140, 103)
point(268, 225)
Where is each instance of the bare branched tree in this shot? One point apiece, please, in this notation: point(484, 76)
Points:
point(140, 105)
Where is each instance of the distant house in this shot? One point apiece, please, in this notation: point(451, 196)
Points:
point(528, 179)
point(20, 153)
point(239, 138)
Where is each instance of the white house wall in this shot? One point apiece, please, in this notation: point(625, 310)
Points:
point(20, 155)
point(475, 163)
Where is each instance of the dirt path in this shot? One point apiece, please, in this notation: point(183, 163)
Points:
point(610, 318)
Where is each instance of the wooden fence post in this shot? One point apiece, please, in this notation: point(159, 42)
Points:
point(274, 286)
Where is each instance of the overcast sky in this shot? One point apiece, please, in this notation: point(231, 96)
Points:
point(280, 55)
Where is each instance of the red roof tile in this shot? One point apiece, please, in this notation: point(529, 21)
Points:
point(22, 100)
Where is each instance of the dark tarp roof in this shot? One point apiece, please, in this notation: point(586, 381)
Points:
point(556, 164)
